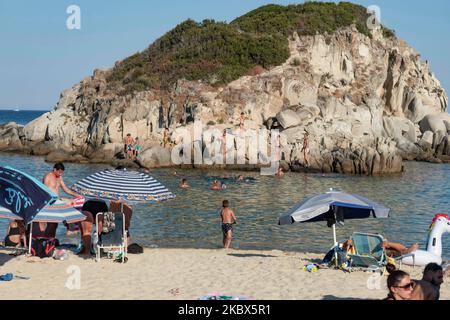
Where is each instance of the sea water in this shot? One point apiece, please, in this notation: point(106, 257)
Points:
point(192, 219)
point(19, 117)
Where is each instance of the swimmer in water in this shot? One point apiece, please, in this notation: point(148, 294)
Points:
point(280, 172)
point(240, 178)
point(184, 184)
point(216, 185)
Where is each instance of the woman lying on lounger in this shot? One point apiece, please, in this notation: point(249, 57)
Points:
point(392, 249)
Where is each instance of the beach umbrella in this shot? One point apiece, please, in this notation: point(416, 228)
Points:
point(22, 194)
point(334, 207)
point(124, 185)
point(57, 212)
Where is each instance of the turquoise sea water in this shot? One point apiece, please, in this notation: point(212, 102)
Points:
point(19, 117)
point(192, 219)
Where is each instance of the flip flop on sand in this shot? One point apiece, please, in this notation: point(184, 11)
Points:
point(7, 277)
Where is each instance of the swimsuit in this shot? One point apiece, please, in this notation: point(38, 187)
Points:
point(227, 227)
point(12, 232)
point(129, 147)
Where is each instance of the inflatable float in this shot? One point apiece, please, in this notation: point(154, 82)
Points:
point(439, 226)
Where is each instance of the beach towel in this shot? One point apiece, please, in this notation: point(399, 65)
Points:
point(224, 297)
point(108, 223)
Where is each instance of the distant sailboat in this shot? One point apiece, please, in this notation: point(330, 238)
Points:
point(16, 109)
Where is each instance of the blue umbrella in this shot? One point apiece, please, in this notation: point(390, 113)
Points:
point(334, 207)
point(22, 194)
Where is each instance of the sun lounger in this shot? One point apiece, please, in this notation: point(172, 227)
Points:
point(114, 240)
point(370, 254)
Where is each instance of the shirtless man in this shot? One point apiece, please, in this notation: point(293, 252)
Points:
point(129, 143)
point(228, 219)
point(54, 182)
point(429, 287)
point(306, 148)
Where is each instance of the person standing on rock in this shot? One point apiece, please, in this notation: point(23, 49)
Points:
point(137, 147)
point(306, 149)
point(129, 142)
point(242, 121)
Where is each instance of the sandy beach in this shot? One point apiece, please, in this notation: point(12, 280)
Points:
point(188, 274)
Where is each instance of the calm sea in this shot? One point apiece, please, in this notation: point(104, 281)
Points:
point(192, 219)
point(19, 117)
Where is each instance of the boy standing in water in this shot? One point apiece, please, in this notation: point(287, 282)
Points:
point(228, 219)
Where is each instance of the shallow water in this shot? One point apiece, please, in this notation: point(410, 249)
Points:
point(192, 219)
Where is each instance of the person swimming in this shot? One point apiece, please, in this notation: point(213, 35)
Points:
point(217, 185)
point(184, 184)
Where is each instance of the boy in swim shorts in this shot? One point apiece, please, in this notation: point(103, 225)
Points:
point(228, 219)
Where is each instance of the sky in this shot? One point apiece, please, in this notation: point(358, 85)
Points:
point(40, 57)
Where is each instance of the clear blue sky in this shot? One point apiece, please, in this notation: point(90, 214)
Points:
point(40, 57)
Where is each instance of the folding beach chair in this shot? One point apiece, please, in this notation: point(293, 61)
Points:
point(114, 241)
point(370, 254)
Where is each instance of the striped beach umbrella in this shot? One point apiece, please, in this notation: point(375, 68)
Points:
point(124, 185)
point(56, 213)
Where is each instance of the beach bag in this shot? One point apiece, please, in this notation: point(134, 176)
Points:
point(43, 248)
point(135, 249)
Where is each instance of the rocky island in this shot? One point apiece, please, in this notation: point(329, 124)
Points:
point(365, 96)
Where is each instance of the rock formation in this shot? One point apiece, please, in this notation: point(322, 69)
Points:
point(368, 103)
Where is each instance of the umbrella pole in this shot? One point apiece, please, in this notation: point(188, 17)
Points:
point(31, 238)
point(335, 245)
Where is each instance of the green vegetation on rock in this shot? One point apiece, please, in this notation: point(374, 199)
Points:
point(218, 53)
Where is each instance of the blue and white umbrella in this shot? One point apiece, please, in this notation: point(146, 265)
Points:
point(334, 207)
point(123, 185)
point(22, 194)
point(56, 213)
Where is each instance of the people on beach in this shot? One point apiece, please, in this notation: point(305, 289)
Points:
point(306, 149)
point(137, 148)
point(16, 235)
point(54, 181)
point(429, 287)
point(228, 219)
point(184, 184)
point(400, 286)
point(393, 249)
point(129, 143)
point(90, 209)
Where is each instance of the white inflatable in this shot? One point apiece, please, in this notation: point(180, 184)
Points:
point(440, 225)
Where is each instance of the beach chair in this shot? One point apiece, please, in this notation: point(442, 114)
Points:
point(370, 254)
point(114, 241)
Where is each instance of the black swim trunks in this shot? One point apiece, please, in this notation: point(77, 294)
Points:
point(227, 227)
